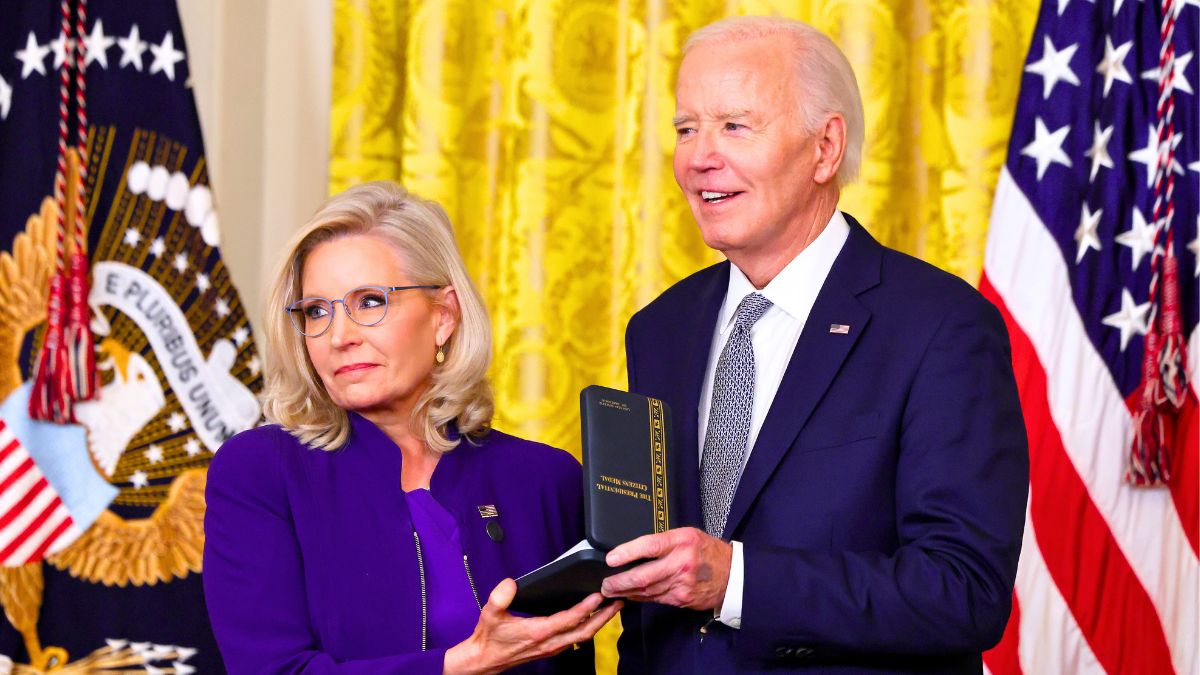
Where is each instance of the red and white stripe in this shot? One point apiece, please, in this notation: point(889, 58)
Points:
point(34, 522)
point(1110, 577)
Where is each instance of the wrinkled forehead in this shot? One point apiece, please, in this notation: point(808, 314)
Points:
point(726, 79)
point(766, 52)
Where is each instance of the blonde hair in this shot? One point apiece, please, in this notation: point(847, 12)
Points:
point(419, 229)
point(828, 81)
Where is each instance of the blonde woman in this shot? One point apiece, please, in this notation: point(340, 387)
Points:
point(358, 533)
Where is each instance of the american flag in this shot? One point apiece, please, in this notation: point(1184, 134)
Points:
point(1109, 578)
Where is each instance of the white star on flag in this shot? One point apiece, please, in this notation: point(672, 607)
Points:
point(185, 653)
point(1181, 81)
point(177, 422)
point(132, 237)
point(192, 447)
point(1054, 66)
point(154, 453)
point(1085, 234)
point(1139, 237)
point(254, 365)
point(1112, 66)
point(181, 263)
point(241, 335)
point(5, 98)
point(132, 48)
point(182, 668)
point(1099, 150)
point(158, 247)
point(59, 46)
point(222, 308)
point(1046, 147)
point(139, 479)
point(202, 282)
point(1149, 154)
point(1130, 319)
point(96, 45)
point(32, 57)
point(165, 57)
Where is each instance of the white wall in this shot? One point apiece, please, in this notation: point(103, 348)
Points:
point(261, 76)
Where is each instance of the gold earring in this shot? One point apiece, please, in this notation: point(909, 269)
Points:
point(440, 357)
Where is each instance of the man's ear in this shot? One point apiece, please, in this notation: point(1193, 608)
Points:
point(831, 147)
point(447, 312)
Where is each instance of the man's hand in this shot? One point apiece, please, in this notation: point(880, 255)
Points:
point(690, 569)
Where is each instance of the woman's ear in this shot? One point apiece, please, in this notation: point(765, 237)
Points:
point(447, 313)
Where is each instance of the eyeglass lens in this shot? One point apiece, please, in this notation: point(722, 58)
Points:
point(366, 306)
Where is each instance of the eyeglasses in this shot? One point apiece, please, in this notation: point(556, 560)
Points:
point(366, 306)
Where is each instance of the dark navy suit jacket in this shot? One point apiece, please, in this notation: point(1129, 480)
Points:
point(881, 509)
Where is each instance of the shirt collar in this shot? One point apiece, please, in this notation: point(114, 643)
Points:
point(795, 288)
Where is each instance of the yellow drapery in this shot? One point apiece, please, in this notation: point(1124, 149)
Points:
point(544, 127)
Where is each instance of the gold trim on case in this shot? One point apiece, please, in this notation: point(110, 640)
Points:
point(658, 464)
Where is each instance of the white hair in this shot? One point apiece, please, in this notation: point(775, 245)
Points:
point(827, 82)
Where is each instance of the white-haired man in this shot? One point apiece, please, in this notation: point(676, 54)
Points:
point(850, 450)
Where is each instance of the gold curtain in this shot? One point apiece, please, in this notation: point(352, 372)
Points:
point(544, 127)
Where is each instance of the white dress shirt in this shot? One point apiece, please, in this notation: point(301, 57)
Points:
point(792, 293)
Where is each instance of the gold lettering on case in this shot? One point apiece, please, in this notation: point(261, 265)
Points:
point(621, 486)
point(615, 405)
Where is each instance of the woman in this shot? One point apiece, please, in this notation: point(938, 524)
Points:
point(355, 533)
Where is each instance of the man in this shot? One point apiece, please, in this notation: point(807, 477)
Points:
point(849, 445)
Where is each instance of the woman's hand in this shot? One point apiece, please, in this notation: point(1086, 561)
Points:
point(501, 640)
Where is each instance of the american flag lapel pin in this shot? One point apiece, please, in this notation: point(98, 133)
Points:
point(494, 531)
point(839, 329)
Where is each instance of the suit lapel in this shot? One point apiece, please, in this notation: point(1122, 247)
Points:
point(818, 357)
point(697, 336)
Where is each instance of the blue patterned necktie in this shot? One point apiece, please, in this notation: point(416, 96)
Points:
point(729, 416)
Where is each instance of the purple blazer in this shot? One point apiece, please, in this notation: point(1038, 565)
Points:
point(310, 563)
